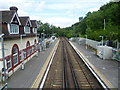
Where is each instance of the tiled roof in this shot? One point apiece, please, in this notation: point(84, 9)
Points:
point(33, 22)
point(7, 16)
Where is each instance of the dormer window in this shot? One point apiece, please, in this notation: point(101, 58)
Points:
point(27, 29)
point(13, 26)
point(34, 30)
point(14, 29)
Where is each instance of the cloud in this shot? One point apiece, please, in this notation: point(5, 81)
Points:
point(40, 6)
point(57, 12)
point(61, 21)
point(93, 9)
point(59, 6)
point(24, 6)
point(115, 0)
point(22, 13)
point(57, 21)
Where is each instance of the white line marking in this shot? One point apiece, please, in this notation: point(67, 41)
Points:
point(98, 78)
point(46, 73)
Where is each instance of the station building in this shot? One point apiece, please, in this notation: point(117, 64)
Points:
point(20, 39)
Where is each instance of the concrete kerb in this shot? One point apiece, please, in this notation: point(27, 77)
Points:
point(99, 74)
point(43, 70)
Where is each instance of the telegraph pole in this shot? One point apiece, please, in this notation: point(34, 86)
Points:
point(104, 24)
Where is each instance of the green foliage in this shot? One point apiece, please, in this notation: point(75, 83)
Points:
point(91, 25)
point(48, 29)
point(95, 20)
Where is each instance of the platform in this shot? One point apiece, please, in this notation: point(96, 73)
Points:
point(25, 78)
point(106, 69)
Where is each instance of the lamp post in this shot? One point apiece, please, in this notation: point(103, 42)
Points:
point(21, 37)
point(104, 24)
point(86, 41)
point(22, 66)
point(41, 42)
point(3, 54)
point(102, 39)
point(41, 36)
point(43, 33)
point(44, 41)
point(102, 47)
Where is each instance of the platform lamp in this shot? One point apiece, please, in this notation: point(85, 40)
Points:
point(43, 33)
point(102, 39)
point(22, 51)
point(86, 41)
point(22, 36)
point(3, 55)
point(102, 45)
point(104, 24)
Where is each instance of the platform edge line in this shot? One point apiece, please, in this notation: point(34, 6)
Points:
point(96, 71)
point(42, 71)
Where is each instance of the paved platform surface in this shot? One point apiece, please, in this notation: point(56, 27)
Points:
point(109, 68)
point(25, 78)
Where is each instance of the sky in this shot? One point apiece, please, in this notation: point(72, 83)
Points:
point(61, 13)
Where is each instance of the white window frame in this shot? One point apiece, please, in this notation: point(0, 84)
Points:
point(9, 61)
point(25, 29)
point(21, 55)
point(24, 54)
point(34, 30)
point(16, 54)
point(15, 30)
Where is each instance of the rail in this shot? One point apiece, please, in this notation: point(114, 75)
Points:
point(68, 70)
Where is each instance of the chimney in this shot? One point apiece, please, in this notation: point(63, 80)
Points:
point(13, 8)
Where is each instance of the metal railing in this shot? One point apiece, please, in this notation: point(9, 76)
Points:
point(95, 44)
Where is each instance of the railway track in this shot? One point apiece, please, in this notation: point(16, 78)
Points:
point(69, 71)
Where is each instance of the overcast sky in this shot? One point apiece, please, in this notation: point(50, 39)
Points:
point(61, 13)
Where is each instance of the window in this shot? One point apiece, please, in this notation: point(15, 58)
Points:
point(15, 54)
point(34, 30)
point(14, 29)
point(21, 55)
point(9, 64)
point(27, 29)
point(24, 54)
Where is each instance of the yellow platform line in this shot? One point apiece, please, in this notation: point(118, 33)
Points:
point(102, 77)
point(42, 71)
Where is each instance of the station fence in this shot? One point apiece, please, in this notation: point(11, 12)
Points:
point(95, 44)
point(22, 56)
